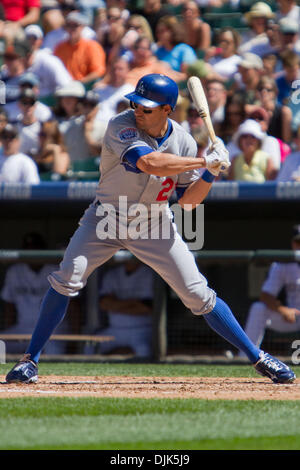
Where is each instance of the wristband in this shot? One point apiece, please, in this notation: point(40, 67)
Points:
point(208, 176)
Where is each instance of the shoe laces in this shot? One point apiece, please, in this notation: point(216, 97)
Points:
point(25, 358)
point(272, 363)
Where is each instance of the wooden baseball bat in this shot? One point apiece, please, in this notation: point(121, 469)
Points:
point(199, 99)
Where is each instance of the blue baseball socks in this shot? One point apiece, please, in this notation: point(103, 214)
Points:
point(52, 312)
point(223, 322)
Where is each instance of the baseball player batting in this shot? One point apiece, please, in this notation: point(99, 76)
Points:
point(145, 156)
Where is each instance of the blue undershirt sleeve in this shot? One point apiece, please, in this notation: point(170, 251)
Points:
point(131, 156)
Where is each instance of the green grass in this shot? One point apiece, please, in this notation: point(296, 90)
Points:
point(154, 424)
point(140, 370)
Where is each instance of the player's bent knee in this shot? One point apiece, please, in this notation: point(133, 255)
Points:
point(71, 277)
point(203, 302)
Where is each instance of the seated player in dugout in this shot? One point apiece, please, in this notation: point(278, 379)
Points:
point(145, 156)
point(278, 308)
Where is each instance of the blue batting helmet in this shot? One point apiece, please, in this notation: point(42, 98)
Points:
point(153, 90)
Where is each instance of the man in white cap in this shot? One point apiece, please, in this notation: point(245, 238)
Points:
point(49, 70)
point(289, 35)
point(250, 69)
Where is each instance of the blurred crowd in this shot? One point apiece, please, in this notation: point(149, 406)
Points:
point(65, 66)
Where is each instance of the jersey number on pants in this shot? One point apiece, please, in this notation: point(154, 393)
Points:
point(168, 186)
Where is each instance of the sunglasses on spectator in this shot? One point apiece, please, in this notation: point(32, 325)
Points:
point(8, 138)
point(113, 17)
point(27, 102)
point(72, 25)
point(269, 89)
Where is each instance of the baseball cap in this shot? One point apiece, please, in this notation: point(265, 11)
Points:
point(251, 61)
point(91, 97)
point(288, 26)
point(73, 88)
point(296, 233)
point(76, 17)
point(17, 49)
point(9, 130)
point(249, 127)
point(29, 78)
point(34, 30)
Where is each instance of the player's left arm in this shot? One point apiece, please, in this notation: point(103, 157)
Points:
point(195, 193)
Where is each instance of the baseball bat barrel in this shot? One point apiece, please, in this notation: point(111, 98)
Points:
point(199, 99)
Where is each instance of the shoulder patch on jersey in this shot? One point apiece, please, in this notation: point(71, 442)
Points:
point(127, 134)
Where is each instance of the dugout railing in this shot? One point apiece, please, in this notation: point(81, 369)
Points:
point(160, 303)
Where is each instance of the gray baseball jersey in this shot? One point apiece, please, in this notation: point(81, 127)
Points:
point(122, 145)
point(169, 256)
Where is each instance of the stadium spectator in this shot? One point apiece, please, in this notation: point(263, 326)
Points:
point(280, 115)
point(270, 312)
point(290, 169)
point(250, 69)
point(18, 15)
point(22, 292)
point(225, 63)
point(83, 134)
point(197, 32)
point(252, 164)
point(126, 294)
point(201, 138)
point(51, 16)
point(171, 47)
point(13, 68)
point(256, 34)
point(42, 111)
point(270, 145)
point(275, 147)
point(29, 126)
point(289, 35)
point(234, 115)
point(84, 59)
point(68, 102)
point(59, 34)
point(287, 9)
point(290, 73)
point(123, 5)
point(152, 10)
point(216, 99)
point(193, 120)
point(145, 62)
point(3, 122)
point(139, 24)
point(49, 69)
point(15, 167)
point(110, 37)
point(270, 65)
point(52, 156)
point(112, 92)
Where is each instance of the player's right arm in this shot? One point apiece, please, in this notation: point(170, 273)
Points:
point(167, 164)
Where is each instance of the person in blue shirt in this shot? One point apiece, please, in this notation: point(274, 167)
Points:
point(170, 44)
